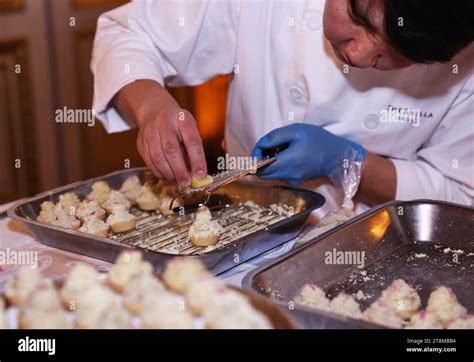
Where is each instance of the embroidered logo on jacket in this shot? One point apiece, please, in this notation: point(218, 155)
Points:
point(412, 116)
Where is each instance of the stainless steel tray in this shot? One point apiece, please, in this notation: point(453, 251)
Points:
point(427, 243)
point(160, 238)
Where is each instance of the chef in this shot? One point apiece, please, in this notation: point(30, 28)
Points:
point(389, 80)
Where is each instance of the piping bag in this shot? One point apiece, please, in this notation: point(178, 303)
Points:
point(345, 175)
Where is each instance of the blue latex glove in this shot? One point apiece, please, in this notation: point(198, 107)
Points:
point(312, 152)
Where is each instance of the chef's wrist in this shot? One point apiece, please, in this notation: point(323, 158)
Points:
point(360, 156)
point(143, 101)
point(378, 180)
point(162, 107)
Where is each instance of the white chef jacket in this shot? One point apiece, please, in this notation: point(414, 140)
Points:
point(284, 71)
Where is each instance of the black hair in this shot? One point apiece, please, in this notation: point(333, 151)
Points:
point(424, 31)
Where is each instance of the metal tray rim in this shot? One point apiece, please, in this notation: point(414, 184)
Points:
point(247, 280)
point(12, 211)
point(369, 213)
point(248, 277)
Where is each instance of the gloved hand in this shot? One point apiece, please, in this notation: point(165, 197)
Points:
point(312, 152)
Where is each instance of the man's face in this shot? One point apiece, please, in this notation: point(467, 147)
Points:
point(356, 45)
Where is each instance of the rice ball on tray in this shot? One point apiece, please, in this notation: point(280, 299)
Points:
point(69, 200)
point(313, 297)
point(81, 277)
point(131, 188)
point(202, 291)
point(464, 322)
point(403, 298)
point(180, 273)
point(114, 317)
point(116, 201)
point(166, 311)
point(231, 310)
point(100, 192)
point(138, 289)
point(128, 265)
point(148, 199)
point(424, 320)
point(18, 288)
point(47, 213)
point(92, 305)
point(65, 218)
point(95, 227)
point(121, 220)
point(167, 192)
point(90, 209)
point(345, 305)
point(164, 203)
point(204, 231)
point(43, 309)
point(444, 304)
point(382, 314)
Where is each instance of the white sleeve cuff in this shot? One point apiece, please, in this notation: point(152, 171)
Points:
point(112, 121)
point(405, 191)
point(419, 180)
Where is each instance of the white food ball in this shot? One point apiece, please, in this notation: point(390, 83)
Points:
point(424, 320)
point(381, 313)
point(403, 298)
point(166, 311)
point(345, 305)
point(444, 304)
point(313, 297)
point(181, 272)
point(464, 322)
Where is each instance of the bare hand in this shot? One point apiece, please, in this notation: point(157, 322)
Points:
point(167, 141)
point(168, 138)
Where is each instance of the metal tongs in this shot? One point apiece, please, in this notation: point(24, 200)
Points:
point(200, 196)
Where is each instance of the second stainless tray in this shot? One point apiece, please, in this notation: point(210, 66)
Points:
point(427, 243)
point(156, 234)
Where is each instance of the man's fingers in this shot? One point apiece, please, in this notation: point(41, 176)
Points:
point(283, 162)
point(193, 145)
point(257, 152)
point(277, 137)
point(172, 150)
point(157, 156)
point(144, 152)
point(152, 144)
point(168, 141)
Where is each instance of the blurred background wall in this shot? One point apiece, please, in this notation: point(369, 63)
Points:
point(45, 53)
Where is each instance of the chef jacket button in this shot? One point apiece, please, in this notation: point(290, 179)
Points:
point(296, 93)
point(314, 22)
point(371, 121)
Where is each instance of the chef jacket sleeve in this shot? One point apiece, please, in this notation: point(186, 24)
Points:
point(177, 42)
point(444, 167)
